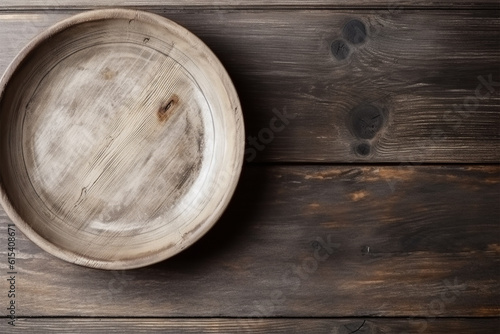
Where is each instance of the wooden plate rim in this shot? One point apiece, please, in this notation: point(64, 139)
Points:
point(120, 13)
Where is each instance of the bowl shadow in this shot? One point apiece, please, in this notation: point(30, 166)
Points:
point(227, 233)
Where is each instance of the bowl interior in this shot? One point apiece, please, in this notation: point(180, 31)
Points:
point(120, 139)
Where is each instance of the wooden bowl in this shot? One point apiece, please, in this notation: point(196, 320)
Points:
point(121, 139)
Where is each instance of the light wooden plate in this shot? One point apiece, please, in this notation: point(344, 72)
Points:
point(121, 139)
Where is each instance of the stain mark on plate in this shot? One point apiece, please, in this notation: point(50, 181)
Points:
point(167, 108)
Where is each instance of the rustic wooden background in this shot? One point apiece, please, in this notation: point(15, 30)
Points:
point(339, 224)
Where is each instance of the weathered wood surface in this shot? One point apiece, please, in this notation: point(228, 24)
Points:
point(241, 4)
point(433, 75)
point(407, 241)
point(285, 326)
point(404, 241)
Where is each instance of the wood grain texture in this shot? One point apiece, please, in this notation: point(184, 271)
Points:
point(405, 241)
point(152, 4)
point(305, 242)
point(286, 326)
point(422, 69)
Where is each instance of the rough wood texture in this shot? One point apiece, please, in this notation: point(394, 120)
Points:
point(237, 4)
point(306, 242)
point(118, 129)
point(265, 326)
point(405, 241)
point(421, 69)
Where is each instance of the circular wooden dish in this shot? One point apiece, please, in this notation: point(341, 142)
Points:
point(121, 139)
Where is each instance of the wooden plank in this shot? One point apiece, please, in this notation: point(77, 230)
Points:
point(303, 242)
point(331, 326)
point(420, 70)
point(152, 4)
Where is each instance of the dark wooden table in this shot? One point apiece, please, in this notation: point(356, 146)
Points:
point(370, 199)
